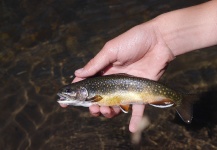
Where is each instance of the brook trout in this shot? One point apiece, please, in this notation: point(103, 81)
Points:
point(122, 90)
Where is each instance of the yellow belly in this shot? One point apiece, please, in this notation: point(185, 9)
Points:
point(128, 98)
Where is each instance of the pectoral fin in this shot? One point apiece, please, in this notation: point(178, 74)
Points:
point(96, 98)
point(125, 108)
point(164, 103)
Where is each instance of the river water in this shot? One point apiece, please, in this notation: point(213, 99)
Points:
point(42, 44)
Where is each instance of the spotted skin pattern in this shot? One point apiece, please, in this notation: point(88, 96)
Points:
point(123, 89)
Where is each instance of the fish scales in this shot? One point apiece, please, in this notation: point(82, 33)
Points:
point(121, 89)
point(124, 84)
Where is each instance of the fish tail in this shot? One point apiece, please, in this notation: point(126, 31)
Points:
point(185, 109)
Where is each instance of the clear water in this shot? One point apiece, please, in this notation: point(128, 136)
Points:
point(43, 42)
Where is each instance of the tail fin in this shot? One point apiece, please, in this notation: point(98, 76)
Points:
point(186, 107)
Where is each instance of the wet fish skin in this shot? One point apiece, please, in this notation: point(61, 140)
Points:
point(121, 90)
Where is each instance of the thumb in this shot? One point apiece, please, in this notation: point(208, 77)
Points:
point(99, 62)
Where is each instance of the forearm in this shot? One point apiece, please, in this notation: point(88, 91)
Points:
point(188, 29)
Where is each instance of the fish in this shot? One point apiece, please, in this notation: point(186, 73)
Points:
point(122, 90)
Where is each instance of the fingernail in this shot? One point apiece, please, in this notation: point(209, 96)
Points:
point(79, 70)
point(107, 115)
point(95, 114)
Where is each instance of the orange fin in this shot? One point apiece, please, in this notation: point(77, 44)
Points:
point(185, 109)
point(96, 98)
point(164, 103)
point(125, 108)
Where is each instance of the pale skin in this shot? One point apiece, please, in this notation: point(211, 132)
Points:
point(146, 49)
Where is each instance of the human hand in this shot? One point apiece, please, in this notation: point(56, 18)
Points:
point(146, 49)
point(141, 52)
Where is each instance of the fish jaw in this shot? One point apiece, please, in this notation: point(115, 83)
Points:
point(67, 100)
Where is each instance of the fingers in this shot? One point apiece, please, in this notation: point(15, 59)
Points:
point(76, 79)
point(99, 62)
point(94, 110)
point(63, 105)
point(136, 117)
point(108, 112)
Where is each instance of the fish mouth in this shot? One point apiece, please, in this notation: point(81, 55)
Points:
point(62, 97)
point(66, 99)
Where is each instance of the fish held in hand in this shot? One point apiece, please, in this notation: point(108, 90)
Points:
point(122, 90)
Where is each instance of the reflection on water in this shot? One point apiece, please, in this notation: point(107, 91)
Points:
point(42, 43)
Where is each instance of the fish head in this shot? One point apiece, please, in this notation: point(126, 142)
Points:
point(74, 96)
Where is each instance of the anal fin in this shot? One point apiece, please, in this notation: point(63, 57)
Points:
point(125, 108)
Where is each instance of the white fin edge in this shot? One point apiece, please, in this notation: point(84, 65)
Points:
point(123, 110)
point(162, 106)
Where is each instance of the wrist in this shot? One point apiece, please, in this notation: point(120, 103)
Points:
point(188, 29)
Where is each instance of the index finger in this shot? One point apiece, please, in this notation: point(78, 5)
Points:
point(105, 57)
point(76, 79)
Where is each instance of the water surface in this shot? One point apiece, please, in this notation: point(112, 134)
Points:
point(44, 42)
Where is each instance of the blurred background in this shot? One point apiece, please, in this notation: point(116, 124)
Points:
point(42, 43)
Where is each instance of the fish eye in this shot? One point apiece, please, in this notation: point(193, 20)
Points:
point(68, 90)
